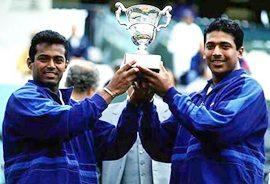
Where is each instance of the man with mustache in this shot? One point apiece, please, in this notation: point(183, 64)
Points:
point(215, 135)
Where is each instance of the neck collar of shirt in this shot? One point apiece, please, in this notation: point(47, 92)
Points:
point(63, 94)
point(227, 78)
point(223, 82)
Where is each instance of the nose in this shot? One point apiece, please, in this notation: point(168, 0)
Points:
point(50, 63)
point(217, 51)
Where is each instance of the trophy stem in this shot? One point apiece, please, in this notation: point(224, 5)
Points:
point(142, 49)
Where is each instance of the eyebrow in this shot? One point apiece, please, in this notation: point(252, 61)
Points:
point(221, 43)
point(45, 55)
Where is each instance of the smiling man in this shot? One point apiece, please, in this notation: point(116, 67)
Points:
point(215, 135)
point(49, 138)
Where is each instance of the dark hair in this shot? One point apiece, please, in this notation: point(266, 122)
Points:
point(227, 26)
point(82, 77)
point(50, 37)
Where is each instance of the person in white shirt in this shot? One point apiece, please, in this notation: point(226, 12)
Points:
point(186, 40)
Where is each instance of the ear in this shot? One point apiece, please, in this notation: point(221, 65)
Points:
point(90, 92)
point(204, 56)
point(29, 63)
point(66, 64)
point(240, 52)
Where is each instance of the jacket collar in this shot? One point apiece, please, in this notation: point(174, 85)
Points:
point(66, 92)
point(224, 81)
point(228, 77)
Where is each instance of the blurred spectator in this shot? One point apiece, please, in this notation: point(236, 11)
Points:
point(95, 54)
point(203, 74)
point(180, 6)
point(106, 73)
point(196, 69)
point(21, 63)
point(186, 40)
point(78, 44)
point(84, 77)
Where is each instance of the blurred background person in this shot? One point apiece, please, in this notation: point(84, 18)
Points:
point(78, 44)
point(185, 41)
point(84, 77)
point(203, 74)
point(21, 63)
point(180, 6)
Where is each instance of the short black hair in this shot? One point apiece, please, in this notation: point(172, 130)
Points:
point(82, 77)
point(50, 37)
point(227, 26)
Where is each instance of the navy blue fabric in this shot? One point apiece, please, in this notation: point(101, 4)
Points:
point(81, 50)
point(214, 137)
point(47, 142)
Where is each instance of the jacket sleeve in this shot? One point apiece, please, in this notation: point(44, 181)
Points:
point(240, 112)
point(113, 142)
point(157, 138)
point(34, 116)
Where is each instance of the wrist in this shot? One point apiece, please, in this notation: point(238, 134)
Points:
point(163, 93)
point(105, 95)
point(114, 91)
point(109, 92)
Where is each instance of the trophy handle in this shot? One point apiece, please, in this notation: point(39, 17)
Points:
point(121, 8)
point(165, 11)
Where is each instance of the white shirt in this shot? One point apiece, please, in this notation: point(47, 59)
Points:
point(184, 43)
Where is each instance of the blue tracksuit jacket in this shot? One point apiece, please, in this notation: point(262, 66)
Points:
point(47, 142)
point(212, 137)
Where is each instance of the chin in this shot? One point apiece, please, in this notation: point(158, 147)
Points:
point(50, 83)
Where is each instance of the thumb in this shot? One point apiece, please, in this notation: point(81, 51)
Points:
point(162, 68)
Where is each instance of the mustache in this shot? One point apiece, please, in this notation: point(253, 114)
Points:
point(50, 71)
point(217, 59)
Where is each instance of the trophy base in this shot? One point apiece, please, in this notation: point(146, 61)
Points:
point(145, 60)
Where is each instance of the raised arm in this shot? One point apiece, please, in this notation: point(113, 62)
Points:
point(37, 115)
point(239, 112)
point(113, 142)
point(157, 138)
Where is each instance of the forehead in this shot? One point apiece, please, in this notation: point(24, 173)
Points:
point(219, 36)
point(50, 49)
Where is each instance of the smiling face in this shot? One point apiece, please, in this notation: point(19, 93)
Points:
point(221, 54)
point(49, 65)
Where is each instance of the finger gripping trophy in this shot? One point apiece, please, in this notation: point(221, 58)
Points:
point(143, 25)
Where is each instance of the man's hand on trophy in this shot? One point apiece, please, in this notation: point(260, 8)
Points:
point(140, 92)
point(160, 82)
point(123, 78)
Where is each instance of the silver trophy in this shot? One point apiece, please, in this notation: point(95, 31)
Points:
point(142, 22)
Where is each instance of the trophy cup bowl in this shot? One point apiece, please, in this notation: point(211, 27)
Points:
point(142, 23)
